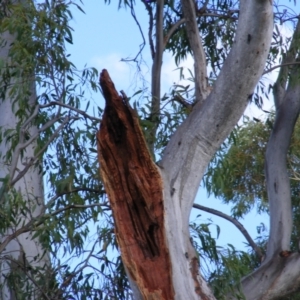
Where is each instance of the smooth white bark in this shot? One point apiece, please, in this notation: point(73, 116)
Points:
point(201, 79)
point(23, 250)
point(197, 139)
point(287, 103)
point(279, 274)
point(275, 279)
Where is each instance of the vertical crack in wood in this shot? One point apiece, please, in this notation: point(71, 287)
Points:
point(194, 268)
point(135, 190)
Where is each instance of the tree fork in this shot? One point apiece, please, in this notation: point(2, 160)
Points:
point(135, 191)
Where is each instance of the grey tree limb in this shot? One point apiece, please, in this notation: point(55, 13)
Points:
point(201, 80)
point(198, 138)
point(288, 59)
point(287, 103)
point(236, 223)
point(156, 72)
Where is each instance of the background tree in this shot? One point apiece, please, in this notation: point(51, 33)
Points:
point(242, 182)
point(53, 134)
point(35, 128)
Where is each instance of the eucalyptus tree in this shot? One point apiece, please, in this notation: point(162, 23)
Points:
point(242, 183)
point(18, 146)
point(151, 204)
point(48, 131)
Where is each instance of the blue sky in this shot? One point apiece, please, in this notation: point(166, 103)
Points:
point(105, 35)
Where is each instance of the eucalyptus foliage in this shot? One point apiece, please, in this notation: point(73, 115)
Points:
point(75, 202)
point(237, 176)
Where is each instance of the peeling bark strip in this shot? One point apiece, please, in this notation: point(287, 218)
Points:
point(134, 187)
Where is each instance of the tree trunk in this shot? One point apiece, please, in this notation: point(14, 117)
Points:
point(279, 274)
point(21, 202)
point(151, 204)
point(135, 189)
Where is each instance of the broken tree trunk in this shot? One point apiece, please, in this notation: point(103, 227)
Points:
point(134, 187)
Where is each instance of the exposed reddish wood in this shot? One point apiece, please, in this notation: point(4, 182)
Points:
point(134, 187)
point(195, 274)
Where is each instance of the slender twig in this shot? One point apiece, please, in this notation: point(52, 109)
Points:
point(288, 19)
point(234, 221)
point(175, 26)
point(200, 67)
point(74, 190)
point(281, 65)
point(182, 101)
point(34, 159)
point(23, 267)
point(81, 112)
point(142, 45)
point(172, 30)
point(150, 30)
point(40, 219)
point(22, 145)
point(58, 211)
point(68, 280)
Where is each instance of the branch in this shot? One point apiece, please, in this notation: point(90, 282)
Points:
point(74, 206)
point(156, 73)
point(141, 31)
point(287, 104)
point(236, 223)
point(21, 145)
point(177, 97)
point(34, 159)
point(175, 26)
point(290, 57)
point(196, 140)
point(151, 21)
point(79, 111)
point(40, 219)
point(201, 79)
point(172, 30)
point(74, 190)
point(15, 234)
point(280, 66)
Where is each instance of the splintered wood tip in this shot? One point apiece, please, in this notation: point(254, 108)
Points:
point(104, 76)
point(109, 91)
